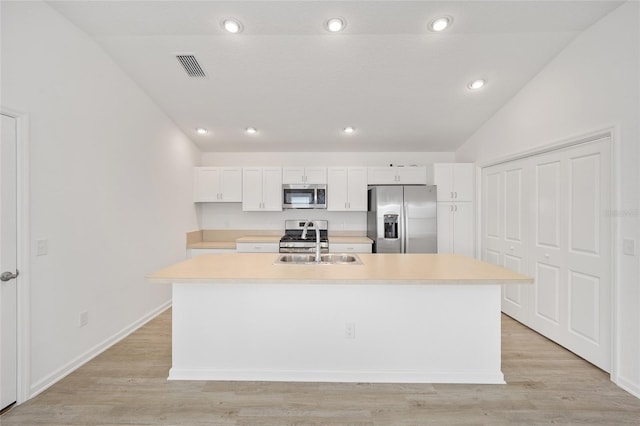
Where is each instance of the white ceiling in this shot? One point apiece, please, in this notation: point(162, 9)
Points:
point(401, 86)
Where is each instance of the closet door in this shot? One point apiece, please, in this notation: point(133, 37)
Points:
point(571, 251)
point(545, 216)
point(505, 222)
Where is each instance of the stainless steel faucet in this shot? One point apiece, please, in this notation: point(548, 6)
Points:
point(304, 237)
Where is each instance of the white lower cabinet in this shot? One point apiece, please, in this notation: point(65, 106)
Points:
point(455, 228)
point(349, 248)
point(258, 247)
point(191, 253)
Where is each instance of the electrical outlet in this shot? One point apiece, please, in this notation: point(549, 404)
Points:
point(628, 247)
point(84, 319)
point(350, 330)
point(42, 247)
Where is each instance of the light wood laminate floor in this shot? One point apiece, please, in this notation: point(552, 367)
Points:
point(126, 385)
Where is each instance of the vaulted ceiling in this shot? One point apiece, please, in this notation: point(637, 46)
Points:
point(400, 85)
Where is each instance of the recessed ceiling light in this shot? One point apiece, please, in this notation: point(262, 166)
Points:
point(477, 84)
point(335, 25)
point(201, 131)
point(348, 130)
point(441, 24)
point(251, 130)
point(232, 25)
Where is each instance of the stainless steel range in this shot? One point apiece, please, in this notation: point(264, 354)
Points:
point(293, 242)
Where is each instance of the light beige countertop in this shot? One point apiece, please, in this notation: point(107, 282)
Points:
point(375, 269)
point(227, 239)
point(259, 239)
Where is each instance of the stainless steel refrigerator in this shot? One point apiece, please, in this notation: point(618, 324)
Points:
point(402, 219)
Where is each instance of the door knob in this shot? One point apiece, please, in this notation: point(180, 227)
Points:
point(6, 276)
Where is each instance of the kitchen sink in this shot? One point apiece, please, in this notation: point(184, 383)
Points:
point(325, 259)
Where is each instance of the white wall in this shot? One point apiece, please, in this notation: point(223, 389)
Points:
point(108, 174)
point(593, 84)
point(231, 216)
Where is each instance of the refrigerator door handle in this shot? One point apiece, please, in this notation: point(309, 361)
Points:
point(405, 229)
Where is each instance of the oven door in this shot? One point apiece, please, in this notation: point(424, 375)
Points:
point(299, 196)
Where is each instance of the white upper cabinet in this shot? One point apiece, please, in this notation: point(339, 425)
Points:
point(217, 184)
point(397, 175)
point(304, 175)
point(262, 189)
point(454, 181)
point(347, 189)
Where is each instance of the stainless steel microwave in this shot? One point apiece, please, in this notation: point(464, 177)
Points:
point(312, 196)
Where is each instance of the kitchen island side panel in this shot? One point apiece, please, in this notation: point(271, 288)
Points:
point(288, 332)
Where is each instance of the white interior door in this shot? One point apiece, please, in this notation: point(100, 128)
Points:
point(8, 262)
point(545, 216)
point(505, 230)
point(572, 250)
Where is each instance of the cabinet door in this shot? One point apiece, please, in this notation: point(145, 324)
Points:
point(230, 184)
point(206, 184)
point(454, 181)
point(381, 176)
point(411, 175)
point(315, 175)
point(455, 228)
point(357, 189)
point(337, 191)
point(258, 247)
point(293, 175)
point(463, 178)
point(349, 248)
point(463, 229)
point(445, 228)
point(272, 189)
point(442, 177)
point(251, 189)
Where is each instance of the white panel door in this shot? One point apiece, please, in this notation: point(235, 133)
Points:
point(588, 270)
point(492, 228)
point(504, 231)
point(8, 263)
point(549, 212)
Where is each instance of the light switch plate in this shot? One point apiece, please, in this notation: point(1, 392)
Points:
point(42, 247)
point(629, 247)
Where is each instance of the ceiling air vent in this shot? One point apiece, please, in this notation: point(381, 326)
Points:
point(191, 66)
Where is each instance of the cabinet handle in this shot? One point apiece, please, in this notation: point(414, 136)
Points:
point(452, 195)
point(455, 208)
point(451, 208)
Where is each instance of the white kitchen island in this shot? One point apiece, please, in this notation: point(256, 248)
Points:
point(402, 318)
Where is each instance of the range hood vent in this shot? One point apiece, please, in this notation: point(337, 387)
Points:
point(191, 66)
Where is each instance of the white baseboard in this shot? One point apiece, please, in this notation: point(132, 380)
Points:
point(628, 385)
point(79, 361)
point(338, 376)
